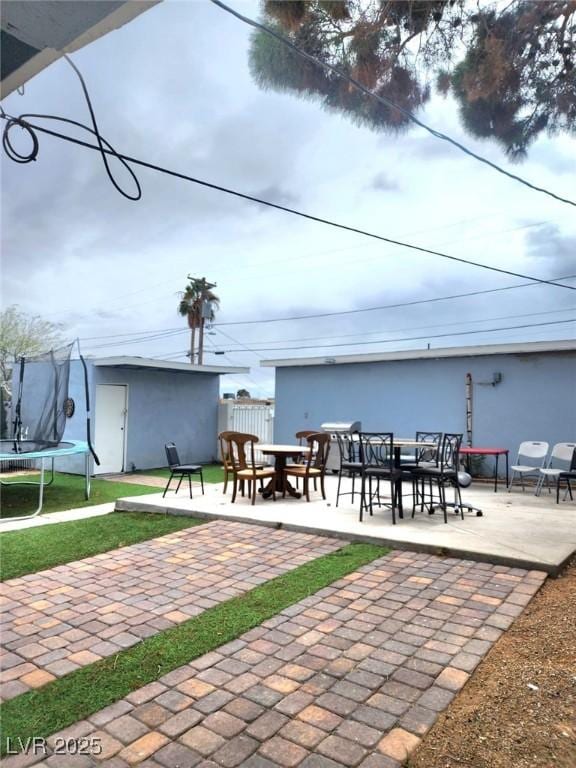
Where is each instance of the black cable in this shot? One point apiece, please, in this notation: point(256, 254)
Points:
point(277, 206)
point(13, 153)
point(383, 99)
point(101, 142)
point(30, 156)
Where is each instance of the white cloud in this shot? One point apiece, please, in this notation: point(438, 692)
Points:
point(173, 87)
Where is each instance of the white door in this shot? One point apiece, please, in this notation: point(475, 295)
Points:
point(110, 431)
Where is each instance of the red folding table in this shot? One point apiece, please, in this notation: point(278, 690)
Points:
point(496, 452)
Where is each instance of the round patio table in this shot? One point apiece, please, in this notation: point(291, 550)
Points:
point(281, 453)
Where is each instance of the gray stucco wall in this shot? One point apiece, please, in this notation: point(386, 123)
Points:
point(536, 399)
point(163, 406)
point(166, 406)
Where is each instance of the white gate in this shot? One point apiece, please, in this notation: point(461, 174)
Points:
point(253, 418)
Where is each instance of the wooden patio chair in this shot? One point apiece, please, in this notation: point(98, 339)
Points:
point(240, 452)
point(315, 466)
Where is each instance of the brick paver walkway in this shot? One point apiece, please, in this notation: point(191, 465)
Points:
point(61, 619)
point(353, 676)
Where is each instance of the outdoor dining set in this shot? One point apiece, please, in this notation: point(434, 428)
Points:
point(372, 460)
point(379, 469)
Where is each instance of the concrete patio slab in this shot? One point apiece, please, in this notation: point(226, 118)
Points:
point(516, 529)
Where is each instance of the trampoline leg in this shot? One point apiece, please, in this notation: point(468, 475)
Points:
point(87, 476)
point(41, 494)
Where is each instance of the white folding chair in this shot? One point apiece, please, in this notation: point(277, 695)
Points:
point(559, 461)
point(531, 458)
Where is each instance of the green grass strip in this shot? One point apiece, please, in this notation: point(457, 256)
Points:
point(34, 549)
point(82, 693)
point(66, 492)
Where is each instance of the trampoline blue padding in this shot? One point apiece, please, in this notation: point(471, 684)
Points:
point(33, 449)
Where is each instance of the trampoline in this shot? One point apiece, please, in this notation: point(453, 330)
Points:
point(40, 421)
point(28, 450)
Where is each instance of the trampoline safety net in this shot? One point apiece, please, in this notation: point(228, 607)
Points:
point(42, 383)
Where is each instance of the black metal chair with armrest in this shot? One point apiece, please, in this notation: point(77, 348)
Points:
point(444, 475)
point(377, 457)
point(350, 461)
point(426, 456)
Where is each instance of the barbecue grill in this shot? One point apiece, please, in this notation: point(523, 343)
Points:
point(333, 427)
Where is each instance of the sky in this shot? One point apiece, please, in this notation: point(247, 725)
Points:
point(173, 88)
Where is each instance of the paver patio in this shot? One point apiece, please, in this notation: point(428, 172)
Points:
point(58, 620)
point(354, 675)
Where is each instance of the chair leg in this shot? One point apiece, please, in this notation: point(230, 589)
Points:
point(442, 492)
point(202, 481)
point(253, 487)
point(459, 499)
point(234, 488)
point(322, 486)
point(362, 496)
point(393, 493)
point(338, 489)
point(307, 488)
point(190, 484)
point(179, 483)
point(168, 484)
point(225, 481)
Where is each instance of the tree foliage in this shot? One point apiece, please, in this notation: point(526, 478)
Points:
point(509, 66)
point(193, 298)
point(23, 335)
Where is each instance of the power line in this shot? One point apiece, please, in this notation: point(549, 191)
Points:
point(401, 340)
point(411, 338)
point(153, 333)
point(419, 327)
point(383, 100)
point(383, 306)
point(176, 174)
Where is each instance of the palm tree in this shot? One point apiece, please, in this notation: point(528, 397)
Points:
point(198, 303)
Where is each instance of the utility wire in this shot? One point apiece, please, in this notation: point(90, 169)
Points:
point(420, 327)
point(383, 99)
point(277, 206)
point(158, 332)
point(427, 337)
point(351, 335)
point(382, 306)
point(403, 339)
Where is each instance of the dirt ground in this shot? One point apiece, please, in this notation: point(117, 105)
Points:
point(519, 708)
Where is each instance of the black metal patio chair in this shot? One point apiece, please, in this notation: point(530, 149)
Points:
point(181, 470)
